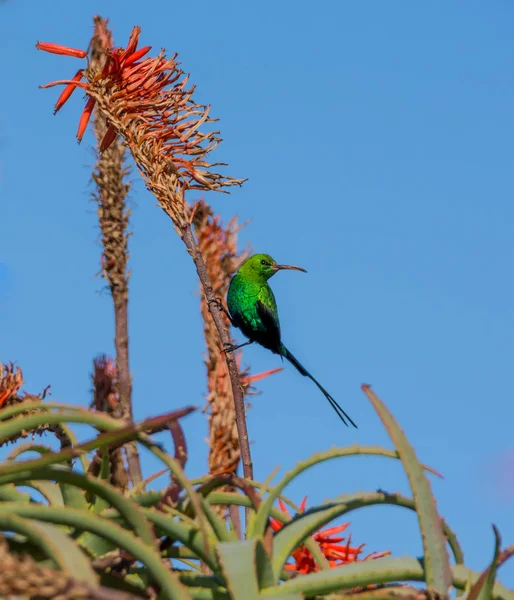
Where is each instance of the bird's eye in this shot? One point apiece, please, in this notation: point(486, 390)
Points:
point(264, 262)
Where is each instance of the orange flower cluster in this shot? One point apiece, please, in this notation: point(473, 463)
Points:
point(116, 67)
point(146, 101)
point(335, 552)
point(11, 380)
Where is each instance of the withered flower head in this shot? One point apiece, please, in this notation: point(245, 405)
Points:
point(147, 101)
point(105, 384)
point(11, 380)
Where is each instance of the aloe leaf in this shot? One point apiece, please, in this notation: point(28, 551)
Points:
point(293, 533)
point(264, 566)
point(50, 491)
point(261, 518)
point(114, 432)
point(191, 537)
point(197, 579)
point(129, 584)
point(226, 498)
point(292, 596)
point(483, 588)
point(11, 411)
point(437, 564)
point(73, 496)
point(77, 564)
point(28, 447)
point(148, 498)
point(31, 421)
point(388, 593)
point(83, 459)
point(203, 594)
point(95, 545)
point(238, 565)
point(52, 458)
point(42, 449)
point(218, 525)
point(126, 508)
point(364, 499)
point(84, 521)
point(54, 543)
point(99, 502)
point(8, 493)
point(183, 554)
point(140, 488)
point(174, 466)
point(114, 436)
point(373, 572)
point(200, 580)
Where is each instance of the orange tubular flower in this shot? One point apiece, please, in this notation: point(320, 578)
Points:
point(68, 91)
point(336, 553)
point(58, 49)
point(251, 379)
point(115, 68)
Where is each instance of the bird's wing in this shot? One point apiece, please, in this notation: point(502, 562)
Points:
point(267, 310)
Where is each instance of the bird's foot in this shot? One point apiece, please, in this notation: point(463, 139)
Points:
point(216, 301)
point(219, 305)
point(229, 347)
point(232, 347)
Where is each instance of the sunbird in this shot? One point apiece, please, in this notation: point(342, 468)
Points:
point(252, 308)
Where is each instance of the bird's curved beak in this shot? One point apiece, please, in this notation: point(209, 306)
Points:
point(289, 267)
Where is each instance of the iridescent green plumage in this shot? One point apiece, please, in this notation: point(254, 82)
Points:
point(253, 309)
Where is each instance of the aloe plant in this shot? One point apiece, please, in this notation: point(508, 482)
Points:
point(80, 533)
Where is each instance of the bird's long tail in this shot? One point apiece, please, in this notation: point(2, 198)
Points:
point(303, 371)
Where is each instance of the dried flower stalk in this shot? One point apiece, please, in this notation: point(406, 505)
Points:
point(146, 101)
point(113, 215)
point(218, 246)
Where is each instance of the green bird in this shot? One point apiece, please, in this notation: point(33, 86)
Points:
point(252, 308)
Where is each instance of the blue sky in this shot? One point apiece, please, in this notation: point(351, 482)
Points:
point(378, 143)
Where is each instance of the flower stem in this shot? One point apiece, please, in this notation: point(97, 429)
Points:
point(217, 316)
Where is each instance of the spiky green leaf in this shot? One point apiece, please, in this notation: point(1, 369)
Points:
point(483, 588)
point(381, 571)
point(238, 565)
point(259, 524)
point(264, 566)
point(84, 521)
point(53, 542)
point(127, 509)
point(436, 558)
